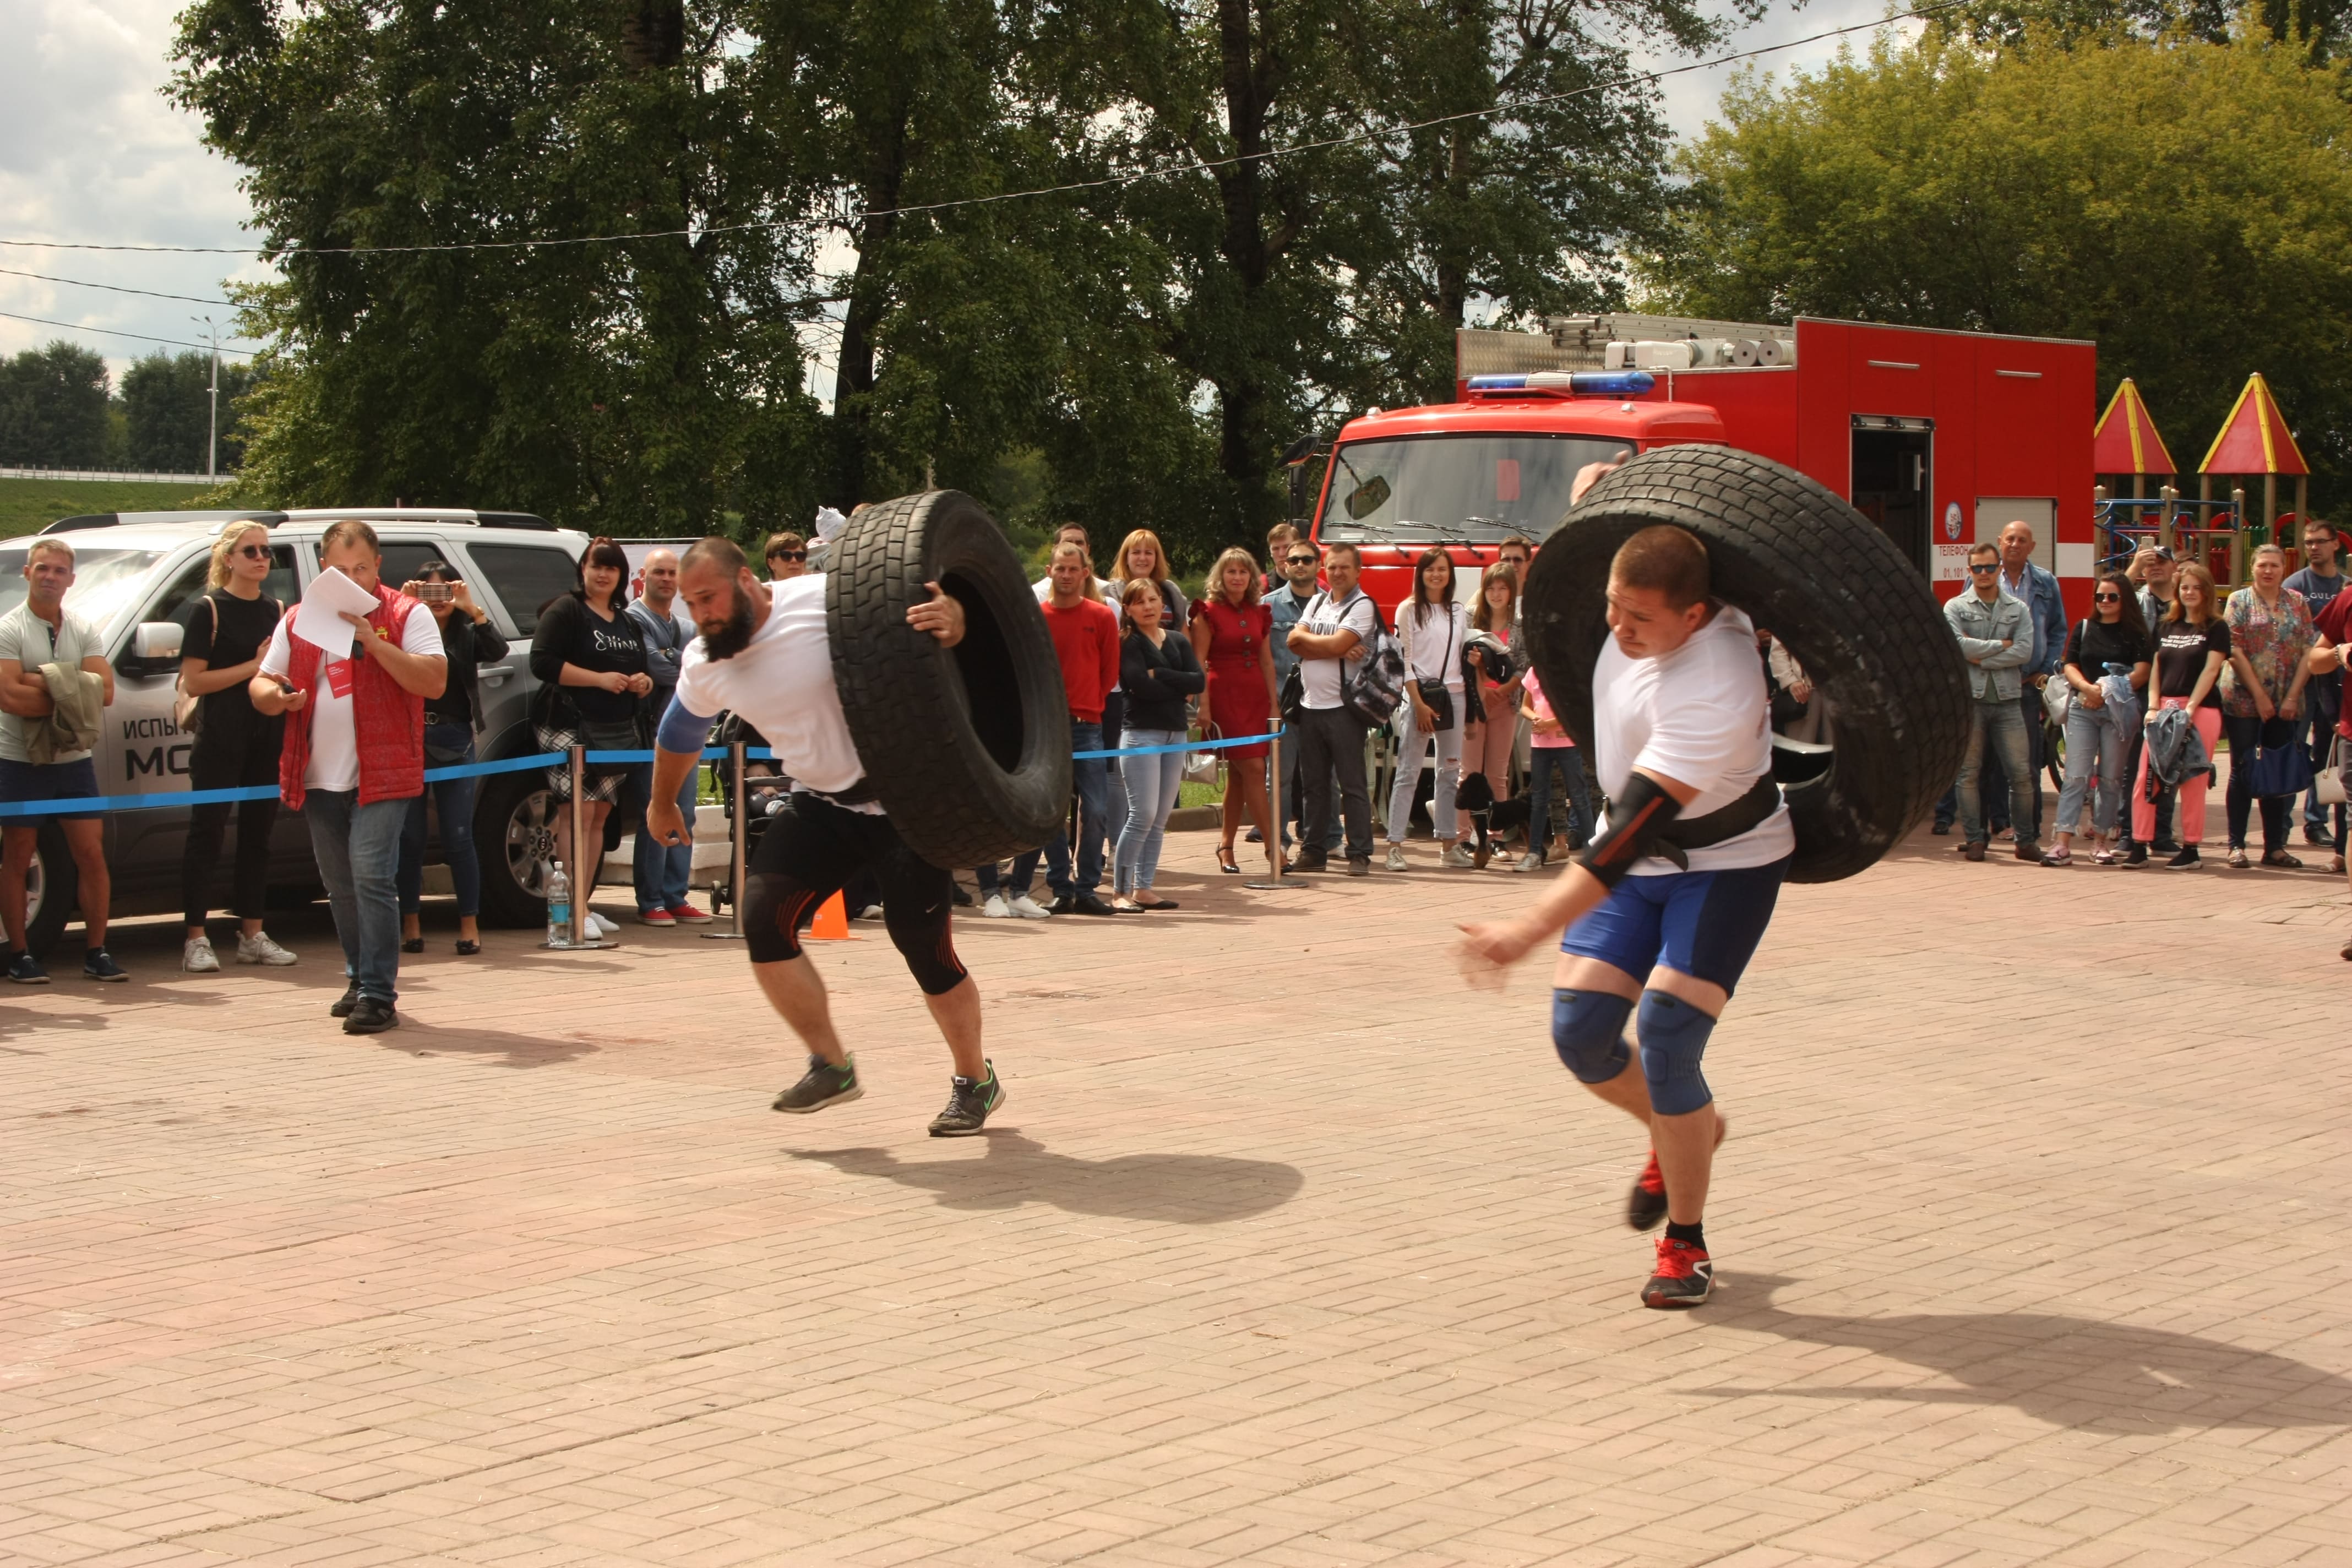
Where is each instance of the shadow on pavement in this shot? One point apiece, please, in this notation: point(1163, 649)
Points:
point(2069, 1371)
point(512, 1050)
point(1180, 1189)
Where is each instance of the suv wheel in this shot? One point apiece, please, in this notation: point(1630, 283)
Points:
point(50, 885)
point(514, 831)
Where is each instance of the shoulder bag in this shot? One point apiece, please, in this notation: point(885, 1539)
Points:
point(1378, 690)
point(187, 707)
point(1434, 694)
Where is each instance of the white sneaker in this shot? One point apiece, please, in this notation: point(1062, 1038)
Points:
point(197, 956)
point(1029, 909)
point(1458, 855)
point(1529, 862)
point(1396, 857)
point(261, 950)
point(996, 909)
point(595, 928)
point(870, 912)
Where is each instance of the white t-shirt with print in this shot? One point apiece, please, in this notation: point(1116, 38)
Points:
point(1319, 678)
point(781, 685)
point(334, 744)
point(1701, 715)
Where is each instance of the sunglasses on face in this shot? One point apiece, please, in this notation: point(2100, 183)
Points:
point(1300, 560)
point(789, 555)
point(2106, 598)
point(1988, 566)
point(252, 551)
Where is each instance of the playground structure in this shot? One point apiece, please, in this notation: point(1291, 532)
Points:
point(2253, 440)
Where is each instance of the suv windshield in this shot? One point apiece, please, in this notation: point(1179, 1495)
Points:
point(103, 579)
point(1424, 489)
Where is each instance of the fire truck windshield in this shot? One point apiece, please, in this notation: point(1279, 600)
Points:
point(1477, 488)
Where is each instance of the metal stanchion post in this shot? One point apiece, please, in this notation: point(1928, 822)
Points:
point(737, 840)
point(1273, 867)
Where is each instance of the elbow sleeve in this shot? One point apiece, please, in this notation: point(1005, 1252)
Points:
point(681, 729)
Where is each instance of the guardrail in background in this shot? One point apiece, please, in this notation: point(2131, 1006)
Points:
point(118, 476)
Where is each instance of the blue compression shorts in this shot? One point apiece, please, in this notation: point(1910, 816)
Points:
point(1705, 924)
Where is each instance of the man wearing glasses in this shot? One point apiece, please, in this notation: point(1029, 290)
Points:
point(1297, 564)
point(1995, 629)
point(787, 556)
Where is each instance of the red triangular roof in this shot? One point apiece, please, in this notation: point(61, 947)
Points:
point(2126, 441)
point(2254, 439)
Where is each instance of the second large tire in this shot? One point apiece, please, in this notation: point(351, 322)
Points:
point(969, 747)
point(1805, 565)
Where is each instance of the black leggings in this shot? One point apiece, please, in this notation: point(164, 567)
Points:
point(2245, 733)
point(811, 851)
point(226, 764)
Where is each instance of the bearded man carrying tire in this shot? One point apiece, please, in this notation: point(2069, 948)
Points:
point(1653, 667)
point(766, 653)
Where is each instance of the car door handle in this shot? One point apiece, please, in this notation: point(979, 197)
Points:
point(491, 675)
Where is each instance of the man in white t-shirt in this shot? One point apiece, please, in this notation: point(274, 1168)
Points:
point(1330, 640)
point(1667, 904)
point(765, 656)
point(354, 758)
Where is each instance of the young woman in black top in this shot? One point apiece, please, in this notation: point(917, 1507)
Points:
point(1160, 671)
point(2193, 644)
point(236, 746)
point(591, 667)
point(468, 642)
point(2111, 640)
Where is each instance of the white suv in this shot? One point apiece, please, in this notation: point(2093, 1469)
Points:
point(137, 575)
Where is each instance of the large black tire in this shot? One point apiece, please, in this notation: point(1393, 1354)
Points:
point(1803, 565)
point(968, 748)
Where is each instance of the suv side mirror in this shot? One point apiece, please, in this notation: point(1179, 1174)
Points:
point(156, 641)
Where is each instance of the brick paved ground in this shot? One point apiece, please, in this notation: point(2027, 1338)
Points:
point(1287, 1250)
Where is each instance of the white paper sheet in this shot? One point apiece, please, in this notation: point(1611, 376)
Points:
point(319, 617)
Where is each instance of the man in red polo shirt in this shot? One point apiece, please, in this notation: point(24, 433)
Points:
point(354, 757)
point(1086, 639)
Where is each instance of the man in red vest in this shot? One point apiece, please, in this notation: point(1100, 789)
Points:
point(354, 758)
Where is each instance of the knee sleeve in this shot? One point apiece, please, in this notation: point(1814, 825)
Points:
point(1588, 1030)
point(1673, 1036)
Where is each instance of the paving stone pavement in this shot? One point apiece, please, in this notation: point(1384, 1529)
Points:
point(1287, 1249)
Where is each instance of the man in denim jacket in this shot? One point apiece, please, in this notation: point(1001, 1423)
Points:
point(1996, 634)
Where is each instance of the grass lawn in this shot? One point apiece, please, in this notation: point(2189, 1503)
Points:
point(27, 506)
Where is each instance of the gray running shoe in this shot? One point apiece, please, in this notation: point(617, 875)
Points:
point(824, 1084)
point(969, 1104)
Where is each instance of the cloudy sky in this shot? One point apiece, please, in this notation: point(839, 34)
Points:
point(90, 151)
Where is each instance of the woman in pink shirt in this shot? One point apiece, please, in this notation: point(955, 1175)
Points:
point(1548, 747)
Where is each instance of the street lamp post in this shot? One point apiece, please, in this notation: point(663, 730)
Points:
point(212, 432)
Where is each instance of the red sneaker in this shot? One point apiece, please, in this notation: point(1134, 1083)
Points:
point(654, 917)
point(688, 915)
point(1684, 1276)
point(1645, 1206)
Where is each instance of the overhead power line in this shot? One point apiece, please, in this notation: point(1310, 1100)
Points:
point(1198, 165)
point(118, 288)
point(110, 331)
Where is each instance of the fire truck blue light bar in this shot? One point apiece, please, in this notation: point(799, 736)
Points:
point(1579, 383)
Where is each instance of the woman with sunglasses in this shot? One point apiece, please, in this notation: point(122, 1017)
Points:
point(2106, 667)
point(468, 641)
point(236, 745)
point(787, 556)
point(591, 664)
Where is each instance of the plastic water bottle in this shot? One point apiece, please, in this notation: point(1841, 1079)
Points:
point(559, 906)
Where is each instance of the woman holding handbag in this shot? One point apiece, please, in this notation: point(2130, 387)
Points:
point(1160, 673)
point(2108, 646)
point(236, 745)
point(591, 665)
point(2271, 639)
point(1430, 630)
point(1233, 632)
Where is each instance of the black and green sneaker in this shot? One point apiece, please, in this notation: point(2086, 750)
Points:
point(968, 1104)
point(824, 1084)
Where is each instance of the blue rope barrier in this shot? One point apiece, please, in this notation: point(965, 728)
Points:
point(162, 801)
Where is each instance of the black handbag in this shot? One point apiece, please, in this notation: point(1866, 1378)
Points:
point(1434, 694)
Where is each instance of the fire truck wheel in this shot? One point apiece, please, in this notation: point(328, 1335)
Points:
point(1806, 566)
point(969, 747)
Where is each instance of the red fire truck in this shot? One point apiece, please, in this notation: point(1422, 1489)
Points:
point(1940, 437)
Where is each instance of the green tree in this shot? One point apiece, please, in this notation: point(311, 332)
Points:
point(167, 404)
point(53, 408)
point(2188, 206)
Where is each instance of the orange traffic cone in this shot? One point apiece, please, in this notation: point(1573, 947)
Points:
point(831, 922)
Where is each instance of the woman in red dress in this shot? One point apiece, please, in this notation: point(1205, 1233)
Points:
point(1230, 630)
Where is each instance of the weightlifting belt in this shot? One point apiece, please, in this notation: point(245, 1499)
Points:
point(1727, 821)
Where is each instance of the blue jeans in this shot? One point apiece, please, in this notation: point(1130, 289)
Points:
point(358, 850)
point(2092, 746)
point(1092, 780)
point(1152, 786)
point(2322, 701)
point(1541, 762)
point(2003, 721)
point(662, 871)
point(1410, 738)
point(454, 800)
point(1025, 875)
